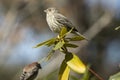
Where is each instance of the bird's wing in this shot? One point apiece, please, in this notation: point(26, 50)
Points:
point(63, 20)
point(30, 76)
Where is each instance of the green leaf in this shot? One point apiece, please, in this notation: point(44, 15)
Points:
point(49, 55)
point(70, 45)
point(59, 45)
point(70, 31)
point(117, 28)
point(63, 31)
point(75, 63)
point(64, 71)
point(73, 77)
point(77, 38)
point(86, 75)
point(51, 42)
point(115, 76)
point(48, 43)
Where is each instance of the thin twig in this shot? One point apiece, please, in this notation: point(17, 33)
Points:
point(98, 76)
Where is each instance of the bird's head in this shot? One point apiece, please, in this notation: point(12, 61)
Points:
point(51, 10)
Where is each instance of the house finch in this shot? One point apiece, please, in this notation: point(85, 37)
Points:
point(56, 21)
point(30, 71)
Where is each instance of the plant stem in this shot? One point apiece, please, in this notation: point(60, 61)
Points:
point(99, 77)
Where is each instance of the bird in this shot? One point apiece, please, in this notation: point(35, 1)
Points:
point(30, 71)
point(56, 21)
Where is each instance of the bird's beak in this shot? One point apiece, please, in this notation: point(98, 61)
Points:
point(45, 10)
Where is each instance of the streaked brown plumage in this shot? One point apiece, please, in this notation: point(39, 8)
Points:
point(56, 21)
point(30, 71)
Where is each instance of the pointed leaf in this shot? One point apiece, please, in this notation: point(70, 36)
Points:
point(63, 31)
point(49, 55)
point(51, 42)
point(117, 28)
point(77, 38)
point(59, 45)
point(86, 75)
point(70, 31)
point(73, 77)
point(64, 71)
point(70, 45)
point(75, 63)
point(48, 42)
point(115, 76)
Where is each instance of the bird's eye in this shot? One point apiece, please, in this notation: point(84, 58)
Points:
point(25, 72)
point(49, 9)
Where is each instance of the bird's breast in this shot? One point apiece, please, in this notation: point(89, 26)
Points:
point(54, 25)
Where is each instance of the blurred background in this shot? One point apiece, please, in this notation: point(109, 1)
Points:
point(23, 25)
